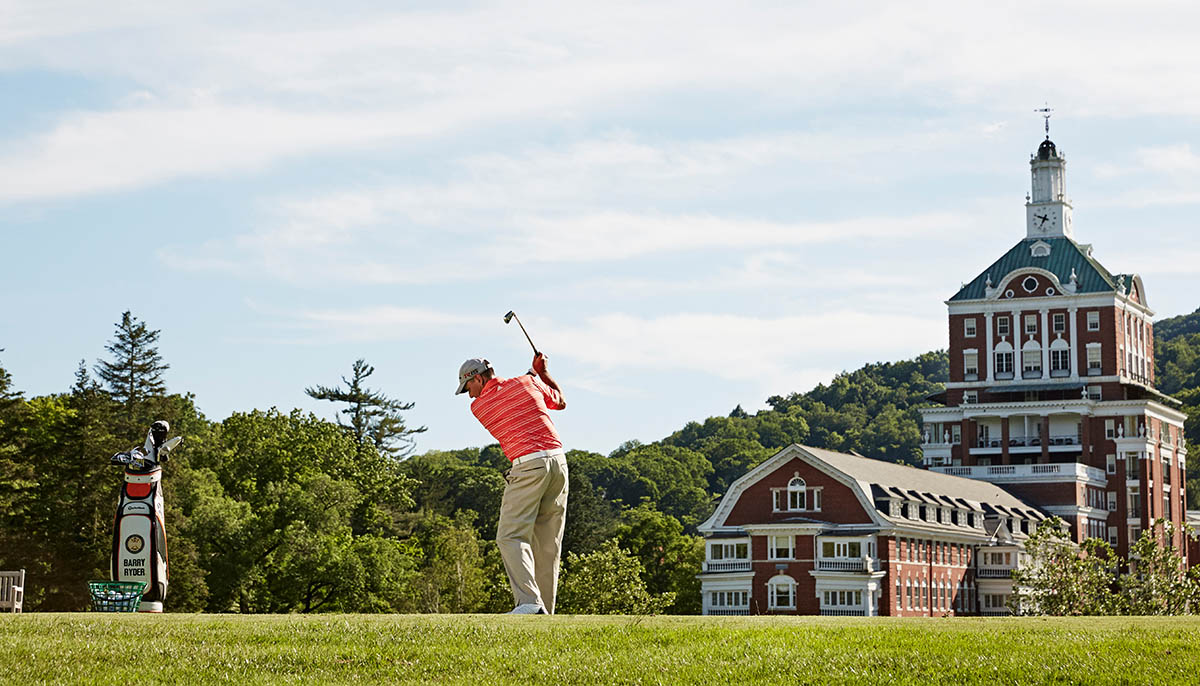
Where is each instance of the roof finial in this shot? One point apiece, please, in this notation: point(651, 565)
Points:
point(1045, 112)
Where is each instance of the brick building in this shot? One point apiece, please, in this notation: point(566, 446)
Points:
point(813, 531)
point(1051, 391)
point(1050, 410)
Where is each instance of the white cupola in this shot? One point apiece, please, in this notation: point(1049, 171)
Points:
point(1047, 208)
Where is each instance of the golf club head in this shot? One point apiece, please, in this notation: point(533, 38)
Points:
point(508, 317)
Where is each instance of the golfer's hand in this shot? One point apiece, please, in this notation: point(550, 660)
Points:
point(539, 364)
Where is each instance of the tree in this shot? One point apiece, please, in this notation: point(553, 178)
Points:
point(374, 417)
point(453, 576)
point(135, 372)
point(1159, 582)
point(607, 581)
point(1065, 579)
point(669, 558)
point(16, 470)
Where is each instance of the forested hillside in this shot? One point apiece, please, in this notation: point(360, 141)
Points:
point(1177, 373)
point(271, 511)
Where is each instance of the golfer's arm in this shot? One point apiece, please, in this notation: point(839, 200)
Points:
point(549, 381)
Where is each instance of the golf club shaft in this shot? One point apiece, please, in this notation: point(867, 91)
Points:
point(531, 345)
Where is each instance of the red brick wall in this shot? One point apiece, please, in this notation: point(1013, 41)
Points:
point(838, 502)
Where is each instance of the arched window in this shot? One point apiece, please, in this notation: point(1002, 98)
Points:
point(1060, 358)
point(797, 493)
point(781, 593)
point(1004, 360)
point(1031, 360)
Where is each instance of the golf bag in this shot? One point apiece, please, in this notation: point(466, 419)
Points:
point(139, 551)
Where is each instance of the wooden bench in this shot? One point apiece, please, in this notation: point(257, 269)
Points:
point(12, 590)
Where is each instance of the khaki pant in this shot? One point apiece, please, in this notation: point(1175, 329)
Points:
point(533, 514)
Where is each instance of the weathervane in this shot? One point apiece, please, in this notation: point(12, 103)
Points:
point(1045, 112)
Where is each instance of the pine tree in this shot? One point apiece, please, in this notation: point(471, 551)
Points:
point(16, 472)
point(374, 418)
point(135, 373)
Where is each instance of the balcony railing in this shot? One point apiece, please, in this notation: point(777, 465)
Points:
point(987, 573)
point(843, 565)
point(830, 612)
point(728, 611)
point(727, 566)
point(1029, 441)
point(1026, 471)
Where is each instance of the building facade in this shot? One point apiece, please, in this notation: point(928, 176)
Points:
point(812, 531)
point(1050, 409)
point(1051, 390)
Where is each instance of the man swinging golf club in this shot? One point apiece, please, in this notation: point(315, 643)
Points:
point(533, 511)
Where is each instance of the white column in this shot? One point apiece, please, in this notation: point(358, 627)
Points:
point(1045, 345)
point(1071, 326)
point(987, 332)
point(1018, 332)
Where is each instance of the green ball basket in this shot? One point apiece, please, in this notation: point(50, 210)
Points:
point(116, 596)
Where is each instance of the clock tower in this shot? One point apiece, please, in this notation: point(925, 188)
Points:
point(1047, 210)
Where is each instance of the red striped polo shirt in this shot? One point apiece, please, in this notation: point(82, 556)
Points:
point(516, 412)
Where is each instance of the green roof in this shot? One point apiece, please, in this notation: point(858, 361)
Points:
point(1065, 255)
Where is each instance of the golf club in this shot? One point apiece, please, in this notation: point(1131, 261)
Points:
point(513, 315)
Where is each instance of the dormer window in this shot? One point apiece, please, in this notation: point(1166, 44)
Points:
point(797, 497)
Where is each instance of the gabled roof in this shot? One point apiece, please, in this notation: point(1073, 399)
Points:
point(872, 480)
point(920, 481)
point(1065, 255)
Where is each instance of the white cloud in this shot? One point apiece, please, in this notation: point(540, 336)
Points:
point(239, 88)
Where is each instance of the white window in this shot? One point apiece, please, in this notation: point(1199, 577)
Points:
point(1133, 502)
point(844, 549)
point(969, 327)
point(971, 365)
point(1031, 361)
point(1060, 362)
point(729, 551)
point(1060, 322)
point(1031, 323)
point(1112, 536)
point(781, 593)
point(796, 497)
point(1093, 358)
point(1112, 501)
point(899, 595)
point(1094, 393)
point(1093, 321)
point(956, 434)
point(1002, 326)
point(1110, 428)
point(721, 600)
point(796, 494)
point(1110, 462)
point(1004, 364)
point(970, 398)
point(780, 547)
point(841, 598)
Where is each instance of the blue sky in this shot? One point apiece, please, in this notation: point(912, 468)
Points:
point(690, 205)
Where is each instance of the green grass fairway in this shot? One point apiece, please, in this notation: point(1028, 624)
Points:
point(485, 650)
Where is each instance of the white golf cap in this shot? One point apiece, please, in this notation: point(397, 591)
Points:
point(468, 370)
